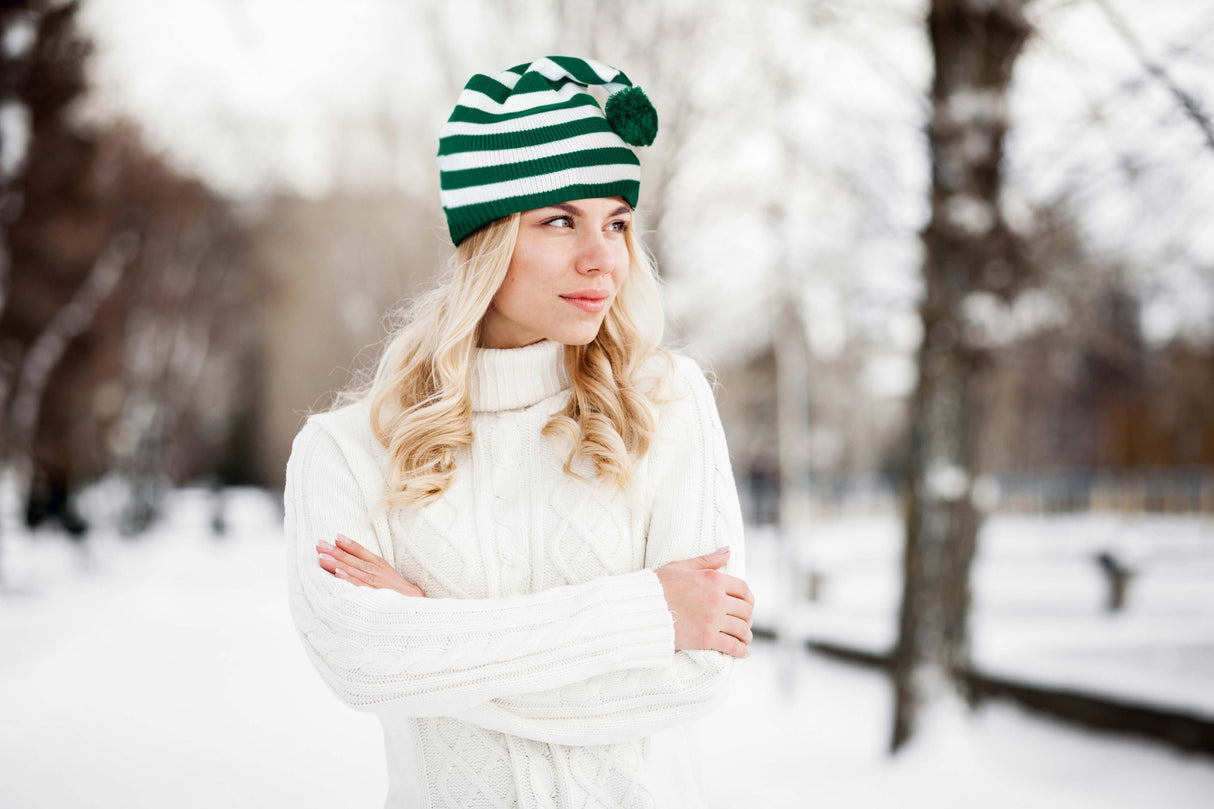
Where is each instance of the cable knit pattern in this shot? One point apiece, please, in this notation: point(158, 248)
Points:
point(540, 669)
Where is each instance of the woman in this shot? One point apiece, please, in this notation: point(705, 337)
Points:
point(503, 543)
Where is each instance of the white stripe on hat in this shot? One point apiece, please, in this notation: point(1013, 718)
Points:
point(507, 77)
point(521, 101)
point(498, 157)
point(554, 72)
point(522, 124)
point(606, 72)
point(535, 184)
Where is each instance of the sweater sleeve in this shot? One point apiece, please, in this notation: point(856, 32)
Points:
point(695, 510)
point(381, 651)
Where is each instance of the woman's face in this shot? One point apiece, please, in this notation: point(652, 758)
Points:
point(568, 264)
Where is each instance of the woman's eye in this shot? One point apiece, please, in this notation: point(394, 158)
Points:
point(619, 226)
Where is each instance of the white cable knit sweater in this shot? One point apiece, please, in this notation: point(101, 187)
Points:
point(539, 670)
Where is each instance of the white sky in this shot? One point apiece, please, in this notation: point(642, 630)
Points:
point(259, 91)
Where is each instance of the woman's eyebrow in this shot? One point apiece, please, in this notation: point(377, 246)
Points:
point(576, 211)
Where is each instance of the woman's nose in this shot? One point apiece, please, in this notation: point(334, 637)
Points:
point(594, 252)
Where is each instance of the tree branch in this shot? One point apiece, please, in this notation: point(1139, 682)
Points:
point(1187, 101)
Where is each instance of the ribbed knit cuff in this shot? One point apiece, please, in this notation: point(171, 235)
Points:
point(643, 618)
point(463, 222)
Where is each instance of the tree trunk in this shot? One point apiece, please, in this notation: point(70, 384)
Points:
point(967, 249)
point(792, 413)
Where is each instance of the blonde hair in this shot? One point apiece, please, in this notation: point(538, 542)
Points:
point(420, 406)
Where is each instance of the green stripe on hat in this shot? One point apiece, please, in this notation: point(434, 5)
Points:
point(581, 71)
point(475, 116)
point(462, 222)
point(536, 138)
point(467, 178)
point(532, 136)
point(491, 87)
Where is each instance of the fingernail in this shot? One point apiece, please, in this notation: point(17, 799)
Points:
point(325, 546)
point(342, 539)
point(327, 558)
point(722, 549)
point(341, 573)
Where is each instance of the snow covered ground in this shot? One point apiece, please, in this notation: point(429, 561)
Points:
point(1039, 600)
point(164, 671)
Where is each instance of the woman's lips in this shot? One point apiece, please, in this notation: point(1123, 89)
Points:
point(588, 304)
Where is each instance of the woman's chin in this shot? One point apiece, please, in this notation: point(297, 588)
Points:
point(577, 335)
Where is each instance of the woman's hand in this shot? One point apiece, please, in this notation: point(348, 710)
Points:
point(357, 565)
point(712, 610)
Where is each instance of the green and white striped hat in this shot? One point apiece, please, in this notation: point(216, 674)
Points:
point(531, 136)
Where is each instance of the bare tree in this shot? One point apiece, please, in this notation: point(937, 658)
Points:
point(974, 46)
point(91, 199)
point(169, 337)
point(41, 73)
point(1188, 102)
point(18, 31)
point(25, 28)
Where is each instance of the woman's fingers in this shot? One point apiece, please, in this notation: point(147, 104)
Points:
point(362, 567)
point(737, 628)
point(342, 571)
point(357, 555)
point(354, 549)
point(730, 645)
point(345, 561)
point(739, 589)
point(741, 609)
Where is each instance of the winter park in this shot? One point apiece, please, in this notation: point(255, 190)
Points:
point(939, 282)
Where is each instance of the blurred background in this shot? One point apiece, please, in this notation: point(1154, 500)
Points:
point(952, 264)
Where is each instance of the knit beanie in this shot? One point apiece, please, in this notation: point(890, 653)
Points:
point(531, 136)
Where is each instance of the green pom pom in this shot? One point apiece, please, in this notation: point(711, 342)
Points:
point(632, 117)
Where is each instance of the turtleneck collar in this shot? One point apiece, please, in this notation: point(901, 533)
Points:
point(510, 378)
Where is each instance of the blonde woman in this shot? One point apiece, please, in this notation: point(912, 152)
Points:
point(519, 544)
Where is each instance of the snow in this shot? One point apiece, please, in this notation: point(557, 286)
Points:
point(970, 214)
point(1180, 303)
point(165, 671)
point(823, 744)
point(826, 328)
point(983, 106)
point(991, 322)
point(985, 492)
point(14, 137)
point(1038, 599)
point(889, 376)
point(946, 481)
point(20, 32)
